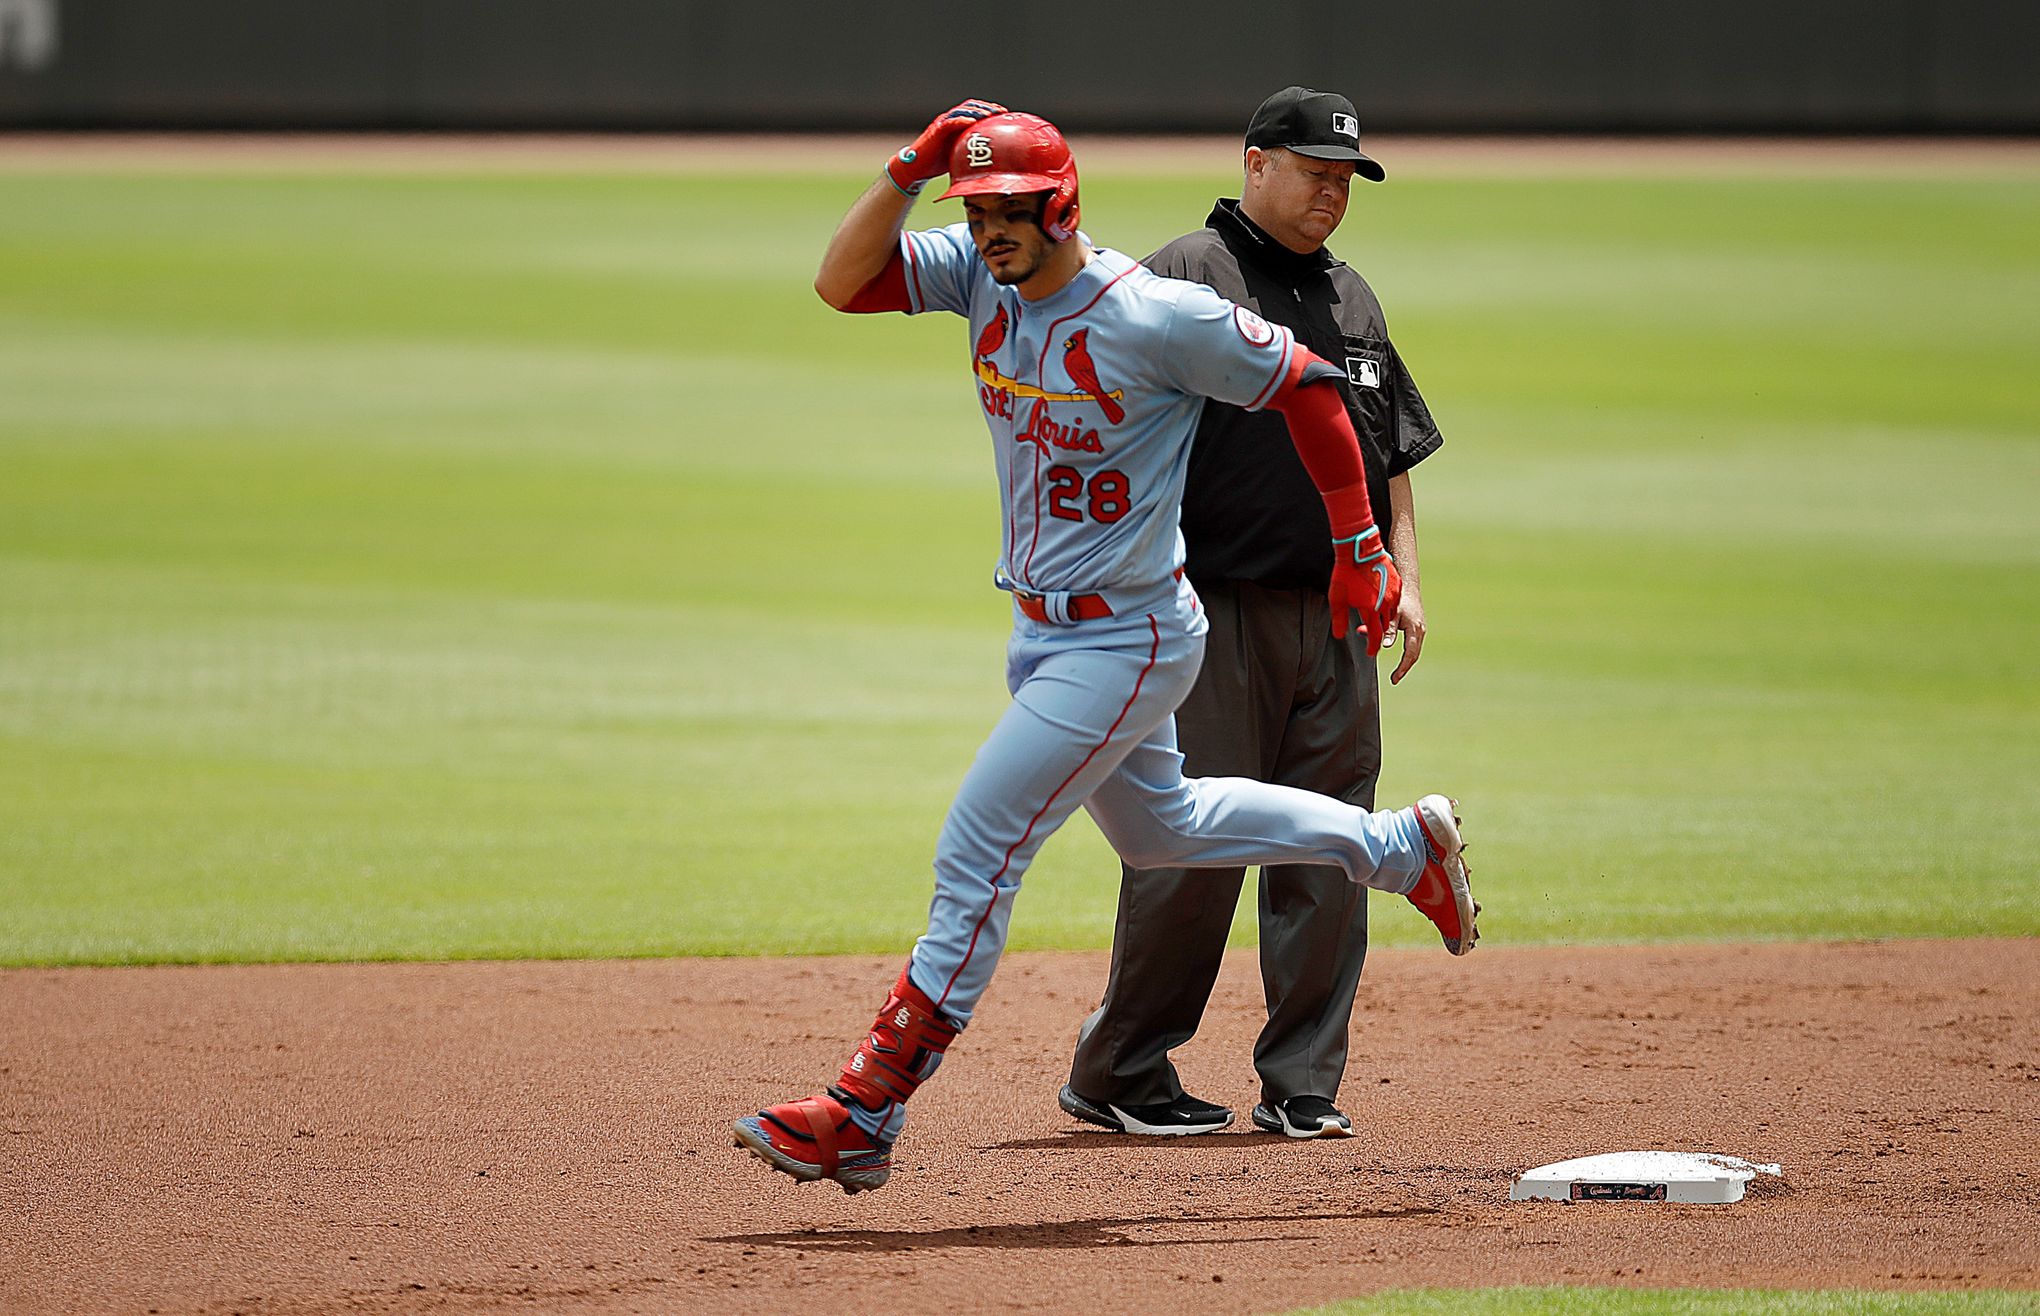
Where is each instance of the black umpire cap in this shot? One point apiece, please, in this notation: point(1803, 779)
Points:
point(1314, 123)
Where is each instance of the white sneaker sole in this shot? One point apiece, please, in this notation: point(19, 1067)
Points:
point(1280, 1124)
point(1128, 1124)
point(1442, 822)
point(1109, 1116)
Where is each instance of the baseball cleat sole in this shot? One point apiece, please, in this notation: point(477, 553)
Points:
point(1439, 817)
point(854, 1179)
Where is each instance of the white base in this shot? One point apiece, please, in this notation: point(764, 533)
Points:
point(1641, 1176)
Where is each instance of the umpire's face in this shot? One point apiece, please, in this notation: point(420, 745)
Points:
point(1298, 199)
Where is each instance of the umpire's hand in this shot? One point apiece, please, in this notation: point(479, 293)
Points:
point(1409, 619)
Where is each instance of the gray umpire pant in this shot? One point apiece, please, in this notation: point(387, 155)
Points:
point(1279, 700)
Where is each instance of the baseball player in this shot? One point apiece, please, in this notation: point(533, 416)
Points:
point(1091, 373)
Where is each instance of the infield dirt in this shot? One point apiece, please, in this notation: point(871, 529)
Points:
point(416, 1138)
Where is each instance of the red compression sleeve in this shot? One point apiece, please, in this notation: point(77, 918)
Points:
point(1324, 438)
point(887, 290)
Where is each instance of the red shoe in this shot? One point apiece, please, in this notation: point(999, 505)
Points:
point(1445, 892)
point(815, 1138)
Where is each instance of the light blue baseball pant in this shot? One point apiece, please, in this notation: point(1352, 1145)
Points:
point(1092, 723)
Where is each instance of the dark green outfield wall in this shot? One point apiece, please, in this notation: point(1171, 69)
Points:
point(1609, 65)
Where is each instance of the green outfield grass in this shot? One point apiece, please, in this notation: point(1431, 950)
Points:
point(399, 566)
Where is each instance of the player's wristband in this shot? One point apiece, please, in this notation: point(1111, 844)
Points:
point(907, 190)
point(1365, 546)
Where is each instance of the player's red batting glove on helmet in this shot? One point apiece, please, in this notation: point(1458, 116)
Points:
point(927, 156)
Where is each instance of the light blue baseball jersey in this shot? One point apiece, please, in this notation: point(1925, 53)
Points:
point(1092, 396)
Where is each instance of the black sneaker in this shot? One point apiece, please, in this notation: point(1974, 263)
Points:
point(1171, 1119)
point(1303, 1117)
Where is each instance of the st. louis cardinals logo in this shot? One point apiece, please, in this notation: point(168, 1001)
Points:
point(1077, 361)
point(997, 390)
point(977, 151)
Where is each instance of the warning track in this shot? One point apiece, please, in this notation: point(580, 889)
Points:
point(1101, 156)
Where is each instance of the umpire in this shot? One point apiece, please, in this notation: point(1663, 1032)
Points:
point(1278, 698)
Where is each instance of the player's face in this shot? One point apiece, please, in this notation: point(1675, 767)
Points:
point(1007, 230)
point(1299, 199)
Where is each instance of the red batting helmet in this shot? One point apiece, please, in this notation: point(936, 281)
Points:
point(1009, 154)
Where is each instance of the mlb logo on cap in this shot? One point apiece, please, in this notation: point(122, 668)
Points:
point(1346, 125)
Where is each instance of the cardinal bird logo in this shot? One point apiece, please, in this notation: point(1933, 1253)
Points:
point(994, 335)
point(1077, 361)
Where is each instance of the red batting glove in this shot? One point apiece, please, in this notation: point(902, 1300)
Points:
point(1364, 578)
point(928, 155)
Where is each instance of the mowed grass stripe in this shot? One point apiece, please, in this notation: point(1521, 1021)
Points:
point(415, 567)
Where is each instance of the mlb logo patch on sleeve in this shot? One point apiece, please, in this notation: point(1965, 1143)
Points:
point(1363, 371)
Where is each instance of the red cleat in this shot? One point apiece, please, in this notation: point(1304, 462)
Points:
point(1444, 893)
point(815, 1138)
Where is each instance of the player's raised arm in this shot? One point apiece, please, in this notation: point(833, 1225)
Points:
point(866, 244)
point(1364, 578)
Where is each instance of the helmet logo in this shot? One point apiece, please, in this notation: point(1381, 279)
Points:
point(977, 151)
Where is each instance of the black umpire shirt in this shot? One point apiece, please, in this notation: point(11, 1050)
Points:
point(1250, 511)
